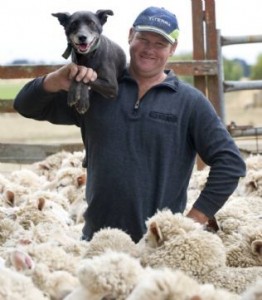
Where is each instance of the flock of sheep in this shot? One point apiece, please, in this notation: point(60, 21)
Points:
point(42, 256)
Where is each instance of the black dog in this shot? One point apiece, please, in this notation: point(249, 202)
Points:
point(88, 47)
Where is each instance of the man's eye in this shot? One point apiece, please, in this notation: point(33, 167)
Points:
point(160, 45)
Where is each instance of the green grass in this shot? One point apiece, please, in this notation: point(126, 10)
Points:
point(10, 88)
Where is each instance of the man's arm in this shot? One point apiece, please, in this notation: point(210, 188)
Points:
point(197, 216)
point(218, 150)
point(45, 98)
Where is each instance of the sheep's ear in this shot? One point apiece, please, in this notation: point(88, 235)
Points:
point(10, 198)
point(156, 232)
point(256, 247)
point(40, 203)
point(81, 180)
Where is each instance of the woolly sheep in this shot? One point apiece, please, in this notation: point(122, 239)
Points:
point(254, 162)
point(20, 260)
point(41, 210)
point(27, 178)
point(198, 253)
point(17, 286)
point(176, 241)
point(110, 239)
point(164, 283)
point(50, 165)
point(53, 256)
point(56, 285)
point(7, 228)
point(235, 280)
point(254, 292)
point(112, 275)
point(251, 184)
point(247, 252)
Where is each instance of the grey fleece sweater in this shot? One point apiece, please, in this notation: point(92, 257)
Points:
point(140, 155)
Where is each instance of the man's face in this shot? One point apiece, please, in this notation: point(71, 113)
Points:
point(149, 51)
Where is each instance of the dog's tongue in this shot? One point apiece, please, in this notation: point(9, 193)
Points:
point(83, 47)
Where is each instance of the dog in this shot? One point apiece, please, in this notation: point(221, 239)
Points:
point(89, 47)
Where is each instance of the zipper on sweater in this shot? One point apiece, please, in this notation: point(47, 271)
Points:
point(137, 104)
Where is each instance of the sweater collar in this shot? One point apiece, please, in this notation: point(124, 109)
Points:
point(171, 81)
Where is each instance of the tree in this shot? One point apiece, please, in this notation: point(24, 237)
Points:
point(256, 69)
point(233, 69)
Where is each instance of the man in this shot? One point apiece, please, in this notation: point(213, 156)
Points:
point(141, 147)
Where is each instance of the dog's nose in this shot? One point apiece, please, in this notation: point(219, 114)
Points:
point(82, 38)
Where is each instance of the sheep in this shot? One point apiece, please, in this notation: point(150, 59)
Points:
point(253, 292)
point(110, 238)
point(50, 165)
point(111, 275)
point(164, 284)
point(173, 285)
point(56, 285)
point(247, 252)
point(20, 260)
point(176, 241)
point(254, 162)
point(240, 223)
point(7, 228)
point(17, 286)
point(47, 215)
point(74, 160)
point(235, 280)
point(41, 210)
point(53, 256)
point(198, 253)
point(27, 178)
point(251, 184)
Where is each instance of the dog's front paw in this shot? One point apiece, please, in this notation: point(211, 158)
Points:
point(83, 103)
point(74, 93)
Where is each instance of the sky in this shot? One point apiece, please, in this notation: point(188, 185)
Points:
point(29, 31)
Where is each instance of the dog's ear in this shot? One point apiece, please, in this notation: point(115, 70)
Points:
point(102, 15)
point(63, 18)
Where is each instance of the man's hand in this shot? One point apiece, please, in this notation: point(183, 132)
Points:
point(61, 78)
point(198, 216)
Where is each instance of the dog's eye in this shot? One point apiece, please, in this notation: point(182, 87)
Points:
point(74, 25)
point(91, 23)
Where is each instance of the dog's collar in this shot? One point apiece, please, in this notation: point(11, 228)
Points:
point(69, 49)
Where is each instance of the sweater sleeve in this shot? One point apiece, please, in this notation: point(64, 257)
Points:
point(35, 103)
point(218, 150)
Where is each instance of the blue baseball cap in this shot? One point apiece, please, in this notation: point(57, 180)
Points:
point(158, 20)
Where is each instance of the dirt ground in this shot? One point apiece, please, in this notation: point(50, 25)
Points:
point(239, 107)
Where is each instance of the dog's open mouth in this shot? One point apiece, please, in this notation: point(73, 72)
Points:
point(85, 47)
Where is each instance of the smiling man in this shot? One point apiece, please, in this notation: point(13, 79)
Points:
point(141, 147)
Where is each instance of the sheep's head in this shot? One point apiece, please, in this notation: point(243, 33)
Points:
point(163, 226)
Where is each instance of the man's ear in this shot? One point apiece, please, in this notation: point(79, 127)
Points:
point(131, 35)
point(173, 49)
